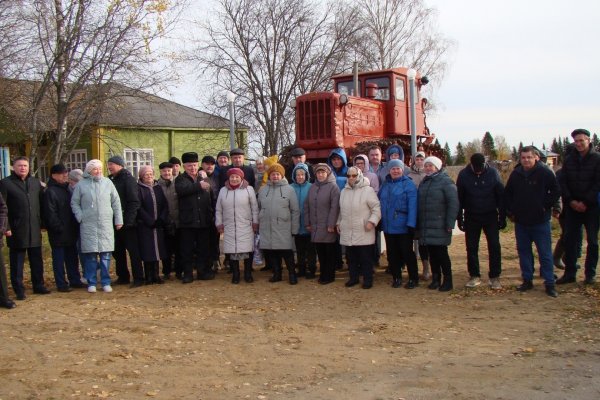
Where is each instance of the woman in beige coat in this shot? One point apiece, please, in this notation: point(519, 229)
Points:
point(359, 214)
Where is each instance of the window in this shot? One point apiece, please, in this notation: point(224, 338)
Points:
point(135, 158)
point(383, 87)
point(347, 87)
point(400, 92)
point(77, 159)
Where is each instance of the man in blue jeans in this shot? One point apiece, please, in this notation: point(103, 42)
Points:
point(580, 185)
point(530, 193)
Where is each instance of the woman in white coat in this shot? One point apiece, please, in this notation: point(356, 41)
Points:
point(359, 214)
point(236, 218)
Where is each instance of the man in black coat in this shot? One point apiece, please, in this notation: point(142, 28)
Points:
point(63, 230)
point(195, 219)
point(530, 194)
point(237, 161)
point(480, 193)
point(299, 156)
point(23, 195)
point(126, 239)
point(580, 185)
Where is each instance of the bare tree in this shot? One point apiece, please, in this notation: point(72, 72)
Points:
point(270, 51)
point(402, 33)
point(79, 47)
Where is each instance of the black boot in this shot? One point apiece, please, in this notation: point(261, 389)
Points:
point(276, 277)
point(301, 271)
point(148, 273)
point(525, 286)
point(551, 291)
point(312, 272)
point(396, 282)
point(292, 276)
point(435, 282)
point(248, 270)
point(235, 271)
point(446, 284)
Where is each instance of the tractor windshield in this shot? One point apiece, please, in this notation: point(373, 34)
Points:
point(347, 87)
point(383, 87)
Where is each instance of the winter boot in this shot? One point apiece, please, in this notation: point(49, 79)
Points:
point(235, 271)
point(558, 254)
point(248, 271)
point(312, 272)
point(446, 284)
point(276, 272)
point(148, 273)
point(301, 271)
point(293, 278)
point(435, 282)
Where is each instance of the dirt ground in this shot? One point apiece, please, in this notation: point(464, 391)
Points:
point(215, 340)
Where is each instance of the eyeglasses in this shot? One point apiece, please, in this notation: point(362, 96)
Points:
point(352, 175)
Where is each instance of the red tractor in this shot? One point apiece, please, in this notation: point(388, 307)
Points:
point(378, 112)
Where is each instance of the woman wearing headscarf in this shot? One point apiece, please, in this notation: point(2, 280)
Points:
point(359, 214)
point(398, 197)
point(279, 218)
point(152, 218)
point(97, 208)
point(321, 210)
point(438, 208)
point(236, 218)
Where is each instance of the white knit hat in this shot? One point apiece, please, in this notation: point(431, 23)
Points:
point(435, 161)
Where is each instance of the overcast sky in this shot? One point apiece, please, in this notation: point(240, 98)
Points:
point(526, 70)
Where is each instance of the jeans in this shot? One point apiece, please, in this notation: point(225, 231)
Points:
point(93, 261)
point(539, 234)
point(473, 228)
point(573, 222)
point(17, 261)
point(65, 257)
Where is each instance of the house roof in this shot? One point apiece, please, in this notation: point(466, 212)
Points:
point(123, 107)
point(126, 107)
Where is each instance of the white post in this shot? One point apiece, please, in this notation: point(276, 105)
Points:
point(411, 74)
point(230, 100)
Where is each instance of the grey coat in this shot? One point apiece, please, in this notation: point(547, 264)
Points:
point(279, 215)
point(321, 210)
point(438, 208)
point(97, 208)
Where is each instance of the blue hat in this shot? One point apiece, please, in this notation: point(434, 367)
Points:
point(395, 163)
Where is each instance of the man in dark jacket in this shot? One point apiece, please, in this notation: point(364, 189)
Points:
point(195, 218)
point(580, 185)
point(126, 239)
point(62, 230)
point(237, 161)
point(23, 195)
point(530, 193)
point(299, 157)
point(480, 194)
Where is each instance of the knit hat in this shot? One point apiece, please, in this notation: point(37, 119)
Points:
point(322, 166)
point(395, 163)
point(436, 162)
point(92, 164)
point(58, 169)
point(117, 160)
point(75, 175)
point(579, 132)
point(143, 170)
point(477, 162)
point(165, 165)
point(189, 157)
point(235, 171)
point(275, 168)
point(175, 160)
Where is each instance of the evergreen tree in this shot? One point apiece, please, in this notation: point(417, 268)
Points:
point(595, 141)
point(515, 154)
point(488, 147)
point(447, 154)
point(459, 159)
point(520, 147)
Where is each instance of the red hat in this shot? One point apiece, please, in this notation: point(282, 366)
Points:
point(236, 171)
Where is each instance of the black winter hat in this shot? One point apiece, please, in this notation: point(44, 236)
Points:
point(165, 165)
point(175, 160)
point(189, 157)
point(117, 160)
point(58, 169)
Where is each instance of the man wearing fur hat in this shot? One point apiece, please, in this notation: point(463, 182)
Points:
point(126, 239)
point(580, 185)
point(480, 194)
point(195, 218)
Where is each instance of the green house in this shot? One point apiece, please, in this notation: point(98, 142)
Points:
point(143, 128)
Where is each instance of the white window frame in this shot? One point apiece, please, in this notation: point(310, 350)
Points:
point(77, 158)
point(136, 158)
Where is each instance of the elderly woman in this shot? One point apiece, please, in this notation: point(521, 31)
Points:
point(359, 214)
point(306, 254)
point(438, 208)
point(398, 197)
point(97, 207)
point(152, 218)
point(236, 218)
point(279, 218)
point(321, 210)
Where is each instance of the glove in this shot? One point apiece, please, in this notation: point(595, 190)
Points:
point(502, 223)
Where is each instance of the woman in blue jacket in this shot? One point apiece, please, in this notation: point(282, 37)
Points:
point(306, 253)
point(398, 197)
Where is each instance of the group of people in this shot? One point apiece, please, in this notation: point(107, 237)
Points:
point(296, 216)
